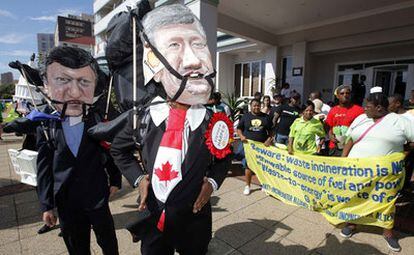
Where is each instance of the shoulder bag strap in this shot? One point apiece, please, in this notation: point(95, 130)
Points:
point(366, 131)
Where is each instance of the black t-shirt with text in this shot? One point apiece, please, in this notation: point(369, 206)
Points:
point(255, 127)
point(287, 115)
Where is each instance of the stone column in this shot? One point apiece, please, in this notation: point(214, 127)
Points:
point(299, 61)
point(271, 69)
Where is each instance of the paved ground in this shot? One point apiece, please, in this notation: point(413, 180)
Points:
point(255, 224)
point(7, 175)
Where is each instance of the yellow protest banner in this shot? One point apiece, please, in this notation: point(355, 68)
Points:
point(358, 190)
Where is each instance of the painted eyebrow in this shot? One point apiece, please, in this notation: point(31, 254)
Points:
point(69, 76)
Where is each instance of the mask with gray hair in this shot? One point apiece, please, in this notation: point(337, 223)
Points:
point(158, 19)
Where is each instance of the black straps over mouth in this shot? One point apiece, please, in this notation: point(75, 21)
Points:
point(84, 106)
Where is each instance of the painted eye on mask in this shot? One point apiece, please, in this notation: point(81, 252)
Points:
point(85, 83)
point(62, 80)
point(174, 45)
point(199, 45)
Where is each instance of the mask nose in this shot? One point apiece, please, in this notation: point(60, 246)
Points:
point(74, 90)
point(190, 59)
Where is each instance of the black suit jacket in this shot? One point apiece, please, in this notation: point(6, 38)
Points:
point(197, 164)
point(64, 179)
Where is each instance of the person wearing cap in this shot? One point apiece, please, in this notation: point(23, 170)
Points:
point(322, 141)
point(304, 131)
point(316, 98)
point(179, 168)
point(283, 118)
point(340, 118)
point(318, 110)
point(366, 138)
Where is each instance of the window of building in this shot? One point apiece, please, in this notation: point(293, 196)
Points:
point(237, 79)
point(286, 69)
point(390, 74)
point(249, 78)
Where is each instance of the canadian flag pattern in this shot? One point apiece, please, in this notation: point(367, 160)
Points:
point(167, 166)
point(166, 173)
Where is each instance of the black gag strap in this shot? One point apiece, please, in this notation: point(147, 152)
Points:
point(62, 114)
point(180, 89)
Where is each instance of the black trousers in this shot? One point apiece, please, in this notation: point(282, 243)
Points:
point(76, 227)
point(191, 238)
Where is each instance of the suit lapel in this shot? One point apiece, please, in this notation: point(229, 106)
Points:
point(60, 136)
point(153, 139)
point(88, 123)
point(195, 146)
point(152, 142)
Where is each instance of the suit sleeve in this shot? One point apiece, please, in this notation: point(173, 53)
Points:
point(218, 169)
point(44, 172)
point(115, 177)
point(122, 151)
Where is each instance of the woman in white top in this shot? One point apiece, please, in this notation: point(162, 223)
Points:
point(387, 133)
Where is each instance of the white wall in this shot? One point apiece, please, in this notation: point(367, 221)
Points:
point(225, 73)
point(226, 62)
point(299, 57)
point(207, 13)
point(101, 25)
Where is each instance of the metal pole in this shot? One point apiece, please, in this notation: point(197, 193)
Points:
point(134, 71)
point(34, 105)
point(108, 98)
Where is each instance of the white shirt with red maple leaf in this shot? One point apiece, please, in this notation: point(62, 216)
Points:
point(167, 171)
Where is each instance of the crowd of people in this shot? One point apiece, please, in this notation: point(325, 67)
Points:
point(384, 125)
point(177, 167)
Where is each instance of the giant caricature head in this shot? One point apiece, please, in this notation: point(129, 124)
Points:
point(70, 79)
point(179, 36)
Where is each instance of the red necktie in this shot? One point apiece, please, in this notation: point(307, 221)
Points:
point(167, 166)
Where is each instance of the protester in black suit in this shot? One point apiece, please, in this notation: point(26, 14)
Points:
point(177, 162)
point(73, 168)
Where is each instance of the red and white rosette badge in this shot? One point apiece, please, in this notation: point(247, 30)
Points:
point(219, 135)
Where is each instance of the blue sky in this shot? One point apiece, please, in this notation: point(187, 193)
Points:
point(21, 20)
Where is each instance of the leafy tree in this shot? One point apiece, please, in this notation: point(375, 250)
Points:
point(7, 91)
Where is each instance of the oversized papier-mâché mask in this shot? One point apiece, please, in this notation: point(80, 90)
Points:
point(176, 54)
point(70, 79)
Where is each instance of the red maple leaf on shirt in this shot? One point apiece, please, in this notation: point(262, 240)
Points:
point(166, 173)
